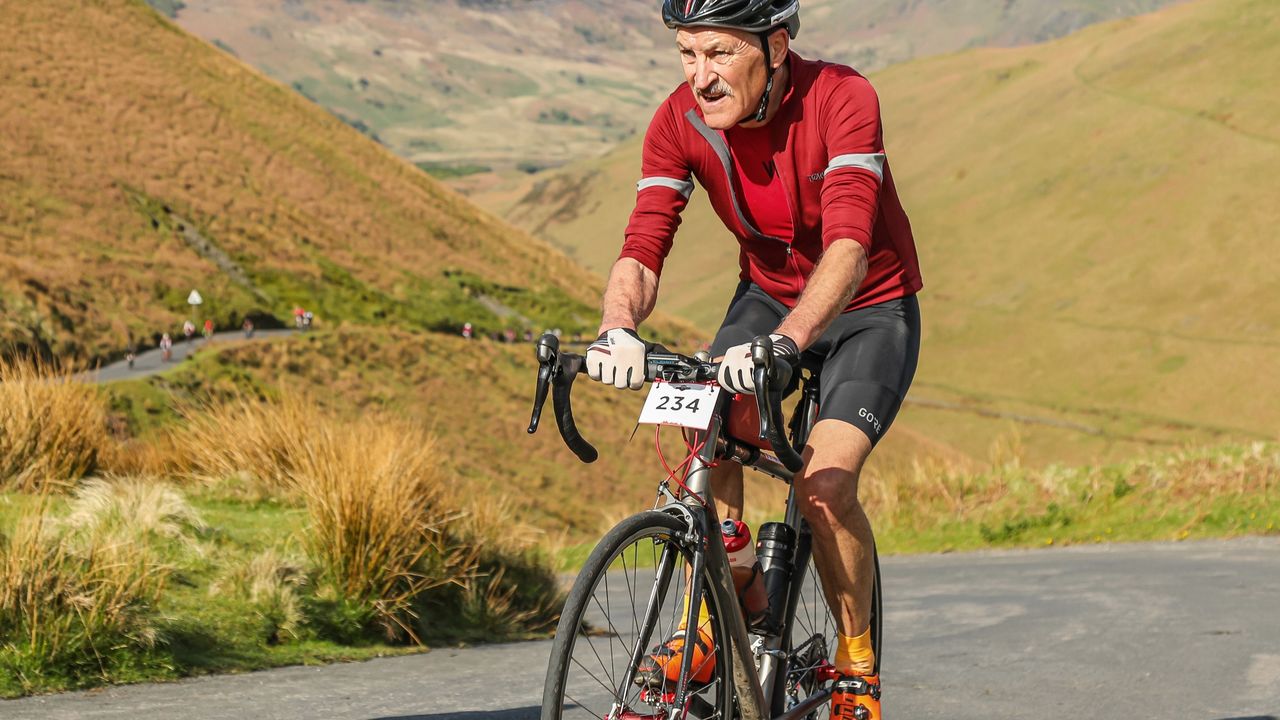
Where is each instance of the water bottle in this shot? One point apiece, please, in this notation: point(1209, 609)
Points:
point(776, 551)
point(747, 579)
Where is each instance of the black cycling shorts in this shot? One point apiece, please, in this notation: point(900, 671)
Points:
point(868, 355)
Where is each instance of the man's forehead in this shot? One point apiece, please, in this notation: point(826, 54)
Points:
point(705, 38)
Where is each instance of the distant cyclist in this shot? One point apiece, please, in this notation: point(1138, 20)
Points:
point(791, 153)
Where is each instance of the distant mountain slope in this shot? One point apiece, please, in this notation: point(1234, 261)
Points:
point(140, 163)
point(464, 85)
point(1096, 219)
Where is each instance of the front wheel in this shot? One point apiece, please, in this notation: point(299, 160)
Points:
point(630, 598)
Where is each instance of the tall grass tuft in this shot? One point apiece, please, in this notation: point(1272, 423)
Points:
point(378, 506)
point(378, 512)
point(53, 429)
point(514, 588)
point(245, 448)
point(74, 609)
point(272, 585)
point(146, 509)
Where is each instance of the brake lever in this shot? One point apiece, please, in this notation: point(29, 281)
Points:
point(762, 359)
point(556, 372)
point(769, 373)
point(561, 394)
point(548, 354)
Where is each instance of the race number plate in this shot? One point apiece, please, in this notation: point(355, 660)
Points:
point(685, 404)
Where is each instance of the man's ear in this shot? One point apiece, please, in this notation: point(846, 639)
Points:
point(779, 44)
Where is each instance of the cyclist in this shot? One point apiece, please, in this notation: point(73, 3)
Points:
point(791, 153)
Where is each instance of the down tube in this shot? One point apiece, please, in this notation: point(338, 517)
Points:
point(746, 683)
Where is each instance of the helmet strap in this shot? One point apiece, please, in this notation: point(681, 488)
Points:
point(763, 108)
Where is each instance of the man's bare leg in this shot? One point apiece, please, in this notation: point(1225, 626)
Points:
point(827, 493)
point(726, 488)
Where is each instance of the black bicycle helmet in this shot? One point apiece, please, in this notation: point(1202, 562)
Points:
point(754, 16)
point(761, 17)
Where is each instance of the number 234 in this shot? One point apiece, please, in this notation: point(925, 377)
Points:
point(678, 405)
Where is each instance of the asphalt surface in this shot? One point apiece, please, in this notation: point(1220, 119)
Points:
point(1187, 630)
point(152, 361)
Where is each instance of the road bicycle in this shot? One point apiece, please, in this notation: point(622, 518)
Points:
point(637, 586)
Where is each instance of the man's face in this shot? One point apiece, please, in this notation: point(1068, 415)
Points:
point(725, 69)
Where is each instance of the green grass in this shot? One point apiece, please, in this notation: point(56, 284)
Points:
point(448, 171)
point(1225, 491)
point(1211, 492)
point(203, 628)
point(206, 620)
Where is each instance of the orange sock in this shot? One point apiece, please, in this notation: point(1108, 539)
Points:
point(854, 655)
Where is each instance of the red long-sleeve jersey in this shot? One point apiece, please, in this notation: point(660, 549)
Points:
point(814, 174)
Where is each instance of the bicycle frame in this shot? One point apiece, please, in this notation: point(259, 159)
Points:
point(755, 688)
point(756, 684)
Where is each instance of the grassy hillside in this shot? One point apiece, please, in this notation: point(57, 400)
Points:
point(463, 87)
point(141, 163)
point(1094, 217)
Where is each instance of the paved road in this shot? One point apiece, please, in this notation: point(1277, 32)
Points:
point(1188, 630)
point(150, 362)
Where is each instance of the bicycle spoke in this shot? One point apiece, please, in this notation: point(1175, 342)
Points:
point(608, 614)
point(598, 658)
point(575, 701)
point(631, 591)
point(614, 635)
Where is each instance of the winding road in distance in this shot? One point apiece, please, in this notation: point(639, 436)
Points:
point(152, 362)
point(1186, 631)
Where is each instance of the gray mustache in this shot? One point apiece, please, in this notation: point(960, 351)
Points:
point(718, 88)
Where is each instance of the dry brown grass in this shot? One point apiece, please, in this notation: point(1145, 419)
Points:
point(247, 449)
point(53, 429)
point(383, 526)
point(377, 515)
point(73, 599)
point(106, 106)
point(144, 508)
point(1217, 491)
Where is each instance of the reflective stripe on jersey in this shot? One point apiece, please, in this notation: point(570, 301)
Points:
point(721, 150)
point(684, 187)
point(873, 162)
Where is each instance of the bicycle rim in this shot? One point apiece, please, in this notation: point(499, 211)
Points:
point(639, 562)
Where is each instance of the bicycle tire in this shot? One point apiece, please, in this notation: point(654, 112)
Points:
point(714, 701)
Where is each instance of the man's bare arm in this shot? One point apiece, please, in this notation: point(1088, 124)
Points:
point(630, 295)
point(831, 286)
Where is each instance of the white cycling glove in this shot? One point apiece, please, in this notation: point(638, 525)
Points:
point(617, 358)
point(736, 367)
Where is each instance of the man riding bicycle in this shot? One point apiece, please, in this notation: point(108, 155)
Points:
point(792, 156)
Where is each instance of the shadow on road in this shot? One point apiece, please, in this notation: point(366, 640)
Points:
point(525, 713)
